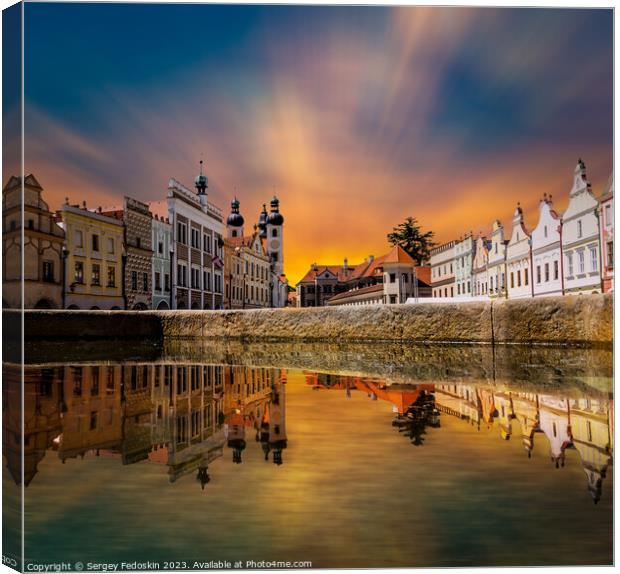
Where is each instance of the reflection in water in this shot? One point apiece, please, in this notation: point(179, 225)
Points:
point(584, 423)
point(205, 424)
point(179, 415)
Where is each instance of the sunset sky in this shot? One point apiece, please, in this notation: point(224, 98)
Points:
point(357, 117)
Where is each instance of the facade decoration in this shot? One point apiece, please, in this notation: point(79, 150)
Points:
point(518, 259)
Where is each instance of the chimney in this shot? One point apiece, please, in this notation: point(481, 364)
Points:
point(345, 267)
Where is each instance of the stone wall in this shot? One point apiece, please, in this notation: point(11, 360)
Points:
point(581, 320)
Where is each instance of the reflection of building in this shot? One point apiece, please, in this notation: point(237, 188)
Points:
point(555, 423)
point(93, 266)
point(91, 407)
point(525, 407)
point(197, 280)
point(580, 237)
point(138, 244)
point(43, 242)
point(461, 401)
point(591, 436)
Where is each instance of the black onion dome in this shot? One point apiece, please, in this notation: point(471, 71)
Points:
point(235, 219)
point(262, 218)
point(275, 218)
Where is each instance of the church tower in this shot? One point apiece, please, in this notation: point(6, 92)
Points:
point(274, 226)
point(235, 221)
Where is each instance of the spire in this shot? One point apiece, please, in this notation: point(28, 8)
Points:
point(201, 181)
point(580, 181)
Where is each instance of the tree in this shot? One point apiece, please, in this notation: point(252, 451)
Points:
point(410, 237)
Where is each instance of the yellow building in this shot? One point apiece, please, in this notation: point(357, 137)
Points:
point(94, 259)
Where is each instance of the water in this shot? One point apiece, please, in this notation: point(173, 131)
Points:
point(351, 456)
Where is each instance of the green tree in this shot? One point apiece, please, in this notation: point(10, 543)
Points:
point(410, 237)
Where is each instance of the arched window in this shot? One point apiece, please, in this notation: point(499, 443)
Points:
point(274, 232)
point(234, 233)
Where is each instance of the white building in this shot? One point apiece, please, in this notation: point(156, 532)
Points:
point(518, 259)
point(607, 234)
point(442, 270)
point(581, 237)
point(480, 278)
point(197, 260)
point(496, 268)
point(162, 247)
point(547, 251)
point(464, 252)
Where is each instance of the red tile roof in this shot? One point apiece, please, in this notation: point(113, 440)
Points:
point(353, 292)
point(398, 255)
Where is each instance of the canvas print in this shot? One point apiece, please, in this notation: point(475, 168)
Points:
point(306, 287)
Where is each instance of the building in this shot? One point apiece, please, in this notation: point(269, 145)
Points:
point(606, 210)
point(581, 237)
point(519, 259)
point(94, 259)
point(496, 268)
point(547, 251)
point(43, 248)
point(480, 279)
point(464, 253)
point(234, 272)
point(197, 227)
point(396, 277)
point(322, 282)
point(162, 261)
point(261, 285)
point(442, 270)
point(138, 246)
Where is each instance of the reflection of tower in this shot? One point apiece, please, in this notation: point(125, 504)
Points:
point(273, 229)
point(505, 414)
point(277, 419)
point(235, 221)
point(555, 423)
point(236, 435)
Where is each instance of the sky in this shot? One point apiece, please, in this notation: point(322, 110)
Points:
point(356, 117)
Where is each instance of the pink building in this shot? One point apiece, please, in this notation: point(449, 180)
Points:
point(606, 203)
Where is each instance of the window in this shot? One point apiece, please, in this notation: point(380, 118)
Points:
point(195, 276)
point(181, 233)
point(182, 275)
point(79, 272)
point(491, 284)
point(392, 299)
point(569, 264)
point(94, 381)
point(556, 270)
point(111, 277)
point(512, 279)
point(79, 239)
point(208, 247)
point(526, 278)
point(95, 275)
point(48, 271)
point(208, 287)
point(610, 254)
point(274, 232)
point(582, 261)
point(93, 420)
point(593, 259)
point(546, 272)
point(458, 289)
point(95, 243)
point(234, 233)
point(138, 242)
point(545, 231)
point(145, 282)
point(537, 273)
point(167, 282)
point(157, 281)
point(608, 216)
point(195, 238)
point(392, 277)
point(579, 228)
point(160, 247)
point(518, 277)
point(110, 384)
point(110, 245)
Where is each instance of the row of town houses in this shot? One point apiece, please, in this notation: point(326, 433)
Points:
point(178, 253)
point(567, 253)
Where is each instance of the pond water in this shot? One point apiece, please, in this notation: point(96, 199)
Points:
point(338, 457)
